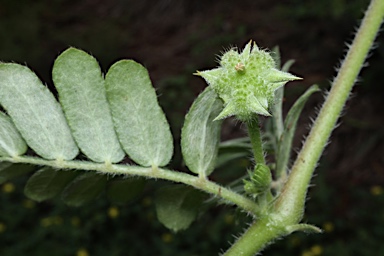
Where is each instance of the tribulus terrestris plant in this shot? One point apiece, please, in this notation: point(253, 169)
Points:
point(110, 119)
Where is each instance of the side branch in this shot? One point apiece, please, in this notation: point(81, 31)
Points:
point(207, 186)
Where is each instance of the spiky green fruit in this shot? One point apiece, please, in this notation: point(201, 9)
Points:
point(246, 82)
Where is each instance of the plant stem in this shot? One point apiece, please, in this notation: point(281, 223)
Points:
point(256, 142)
point(255, 238)
point(149, 172)
point(292, 199)
point(289, 207)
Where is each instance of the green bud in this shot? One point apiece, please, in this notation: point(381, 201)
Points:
point(260, 180)
point(246, 82)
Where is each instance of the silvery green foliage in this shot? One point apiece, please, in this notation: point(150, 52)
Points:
point(11, 142)
point(140, 123)
point(102, 115)
point(80, 84)
point(200, 135)
point(36, 113)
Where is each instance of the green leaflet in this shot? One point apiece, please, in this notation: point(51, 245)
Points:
point(123, 190)
point(177, 206)
point(4, 165)
point(200, 135)
point(84, 188)
point(9, 171)
point(11, 142)
point(285, 143)
point(140, 123)
point(80, 84)
point(47, 183)
point(35, 112)
point(277, 109)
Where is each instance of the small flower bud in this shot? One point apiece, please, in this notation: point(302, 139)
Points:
point(260, 180)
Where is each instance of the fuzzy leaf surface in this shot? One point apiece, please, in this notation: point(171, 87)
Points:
point(177, 206)
point(35, 112)
point(200, 135)
point(80, 84)
point(11, 142)
point(47, 183)
point(140, 123)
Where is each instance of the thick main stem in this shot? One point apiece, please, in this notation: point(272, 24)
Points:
point(255, 238)
point(292, 199)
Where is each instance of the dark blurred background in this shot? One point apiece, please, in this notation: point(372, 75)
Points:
point(173, 39)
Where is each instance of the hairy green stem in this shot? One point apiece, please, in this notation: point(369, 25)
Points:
point(292, 199)
point(255, 238)
point(289, 207)
point(150, 172)
point(256, 142)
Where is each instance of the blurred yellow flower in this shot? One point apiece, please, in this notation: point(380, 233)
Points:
point(328, 226)
point(113, 212)
point(82, 252)
point(167, 237)
point(8, 187)
point(46, 222)
point(376, 190)
point(316, 250)
point(2, 227)
point(29, 204)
